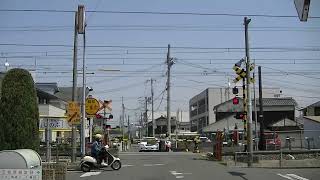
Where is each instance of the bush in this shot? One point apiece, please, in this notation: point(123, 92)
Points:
point(19, 115)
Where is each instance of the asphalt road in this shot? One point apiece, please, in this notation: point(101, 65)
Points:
point(187, 166)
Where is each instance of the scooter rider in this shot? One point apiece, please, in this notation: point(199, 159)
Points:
point(96, 150)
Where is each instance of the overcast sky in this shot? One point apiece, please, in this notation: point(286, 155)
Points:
point(205, 46)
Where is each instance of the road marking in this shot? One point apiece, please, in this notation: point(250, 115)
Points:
point(150, 165)
point(127, 165)
point(285, 176)
point(159, 164)
point(90, 174)
point(297, 177)
point(292, 177)
point(178, 175)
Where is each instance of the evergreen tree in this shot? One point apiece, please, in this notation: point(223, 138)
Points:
point(19, 115)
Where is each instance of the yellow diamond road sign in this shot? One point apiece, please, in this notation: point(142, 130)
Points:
point(73, 112)
point(92, 106)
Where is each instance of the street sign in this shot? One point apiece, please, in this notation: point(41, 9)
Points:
point(73, 112)
point(92, 106)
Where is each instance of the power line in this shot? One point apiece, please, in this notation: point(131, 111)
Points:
point(293, 73)
point(157, 13)
point(162, 47)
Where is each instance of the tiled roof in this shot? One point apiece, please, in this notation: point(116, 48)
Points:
point(278, 102)
point(269, 102)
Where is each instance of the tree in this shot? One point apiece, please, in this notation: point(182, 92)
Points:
point(19, 115)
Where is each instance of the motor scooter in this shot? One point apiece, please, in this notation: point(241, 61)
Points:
point(88, 162)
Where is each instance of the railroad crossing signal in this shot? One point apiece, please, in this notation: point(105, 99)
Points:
point(73, 112)
point(241, 72)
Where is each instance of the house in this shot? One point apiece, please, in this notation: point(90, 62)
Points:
point(201, 106)
point(53, 105)
point(162, 123)
point(312, 131)
point(53, 108)
point(312, 110)
point(279, 116)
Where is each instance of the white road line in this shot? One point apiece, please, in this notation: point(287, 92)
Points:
point(127, 165)
point(90, 174)
point(150, 165)
point(159, 164)
point(285, 176)
point(176, 173)
point(179, 177)
point(292, 177)
point(297, 177)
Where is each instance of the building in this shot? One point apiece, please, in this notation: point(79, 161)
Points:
point(279, 116)
point(162, 124)
point(201, 106)
point(312, 131)
point(276, 112)
point(53, 106)
point(312, 110)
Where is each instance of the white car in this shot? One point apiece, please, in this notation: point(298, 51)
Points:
point(144, 146)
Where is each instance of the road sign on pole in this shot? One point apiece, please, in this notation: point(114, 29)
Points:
point(73, 112)
point(92, 106)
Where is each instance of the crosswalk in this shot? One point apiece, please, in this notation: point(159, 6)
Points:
point(292, 176)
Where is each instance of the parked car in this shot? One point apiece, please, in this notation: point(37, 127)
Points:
point(271, 141)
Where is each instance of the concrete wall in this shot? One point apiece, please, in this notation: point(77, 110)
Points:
point(312, 130)
point(49, 110)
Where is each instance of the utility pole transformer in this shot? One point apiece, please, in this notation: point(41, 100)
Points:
point(249, 102)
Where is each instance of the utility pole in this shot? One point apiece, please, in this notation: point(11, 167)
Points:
point(260, 110)
point(152, 111)
point(169, 63)
point(141, 123)
point(83, 124)
point(122, 119)
point(249, 102)
point(74, 84)
point(129, 133)
point(255, 110)
point(146, 116)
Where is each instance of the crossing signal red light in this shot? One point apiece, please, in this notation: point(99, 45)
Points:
point(239, 115)
point(235, 100)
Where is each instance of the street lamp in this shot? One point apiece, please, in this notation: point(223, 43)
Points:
point(6, 64)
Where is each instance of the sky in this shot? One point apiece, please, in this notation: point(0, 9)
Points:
point(134, 47)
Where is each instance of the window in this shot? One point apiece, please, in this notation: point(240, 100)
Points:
point(317, 111)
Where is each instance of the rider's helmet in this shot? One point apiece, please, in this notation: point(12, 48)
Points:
point(98, 137)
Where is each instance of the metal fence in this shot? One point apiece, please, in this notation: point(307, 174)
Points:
point(289, 140)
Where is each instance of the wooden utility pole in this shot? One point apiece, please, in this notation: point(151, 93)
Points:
point(249, 102)
point(74, 84)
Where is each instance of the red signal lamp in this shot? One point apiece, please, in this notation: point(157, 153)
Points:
point(235, 100)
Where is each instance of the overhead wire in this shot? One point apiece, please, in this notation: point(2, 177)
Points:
point(156, 13)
